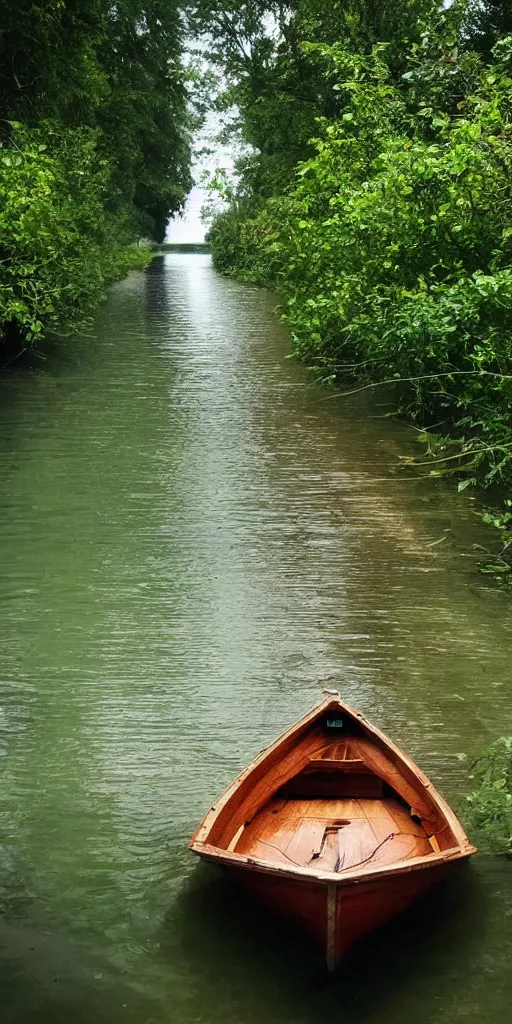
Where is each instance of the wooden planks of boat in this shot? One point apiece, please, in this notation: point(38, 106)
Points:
point(334, 827)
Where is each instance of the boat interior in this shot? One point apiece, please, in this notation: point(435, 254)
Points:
point(351, 804)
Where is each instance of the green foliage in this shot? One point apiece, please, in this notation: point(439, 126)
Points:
point(376, 198)
point(486, 21)
point(490, 805)
point(144, 120)
point(225, 239)
point(499, 563)
point(393, 246)
point(58, 245)
point(94, 150)
point(278, 84)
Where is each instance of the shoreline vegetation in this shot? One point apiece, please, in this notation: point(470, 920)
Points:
point(375, 197)
point(489, 806)
point(95, 127)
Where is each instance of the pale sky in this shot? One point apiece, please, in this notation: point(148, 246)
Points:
point(210, 155)
point(188, 228)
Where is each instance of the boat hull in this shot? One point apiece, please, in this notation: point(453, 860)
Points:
point(334, 915)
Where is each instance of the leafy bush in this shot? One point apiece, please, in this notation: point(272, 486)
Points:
point(58, 246)
point(393, 250)
point(490, 805)
point(94, 150)
point(225, 237)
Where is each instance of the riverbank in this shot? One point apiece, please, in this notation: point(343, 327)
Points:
point(377, 203)
point(461, 436)
point(33, 326)
point(94, 153)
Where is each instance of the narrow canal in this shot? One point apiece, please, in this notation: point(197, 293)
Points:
point(195, 539)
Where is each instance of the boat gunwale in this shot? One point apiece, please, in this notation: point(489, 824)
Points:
point(238, 860)
point(199, 842)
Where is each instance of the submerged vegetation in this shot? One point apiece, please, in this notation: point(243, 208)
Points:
point(375, 194)
point(94, 151)
point(490, 805)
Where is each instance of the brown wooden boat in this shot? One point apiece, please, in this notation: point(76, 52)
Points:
point(333, 827)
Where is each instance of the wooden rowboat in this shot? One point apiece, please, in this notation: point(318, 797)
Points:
point(333, 827)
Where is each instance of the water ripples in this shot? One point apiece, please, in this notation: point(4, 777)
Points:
point(195, 540)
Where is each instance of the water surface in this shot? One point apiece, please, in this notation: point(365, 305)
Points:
point(195, 539)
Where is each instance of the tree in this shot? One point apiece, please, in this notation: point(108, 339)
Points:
point(486, 22)
point(94, 115)
point(274, 71)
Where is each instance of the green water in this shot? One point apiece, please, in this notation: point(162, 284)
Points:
point(194, 540)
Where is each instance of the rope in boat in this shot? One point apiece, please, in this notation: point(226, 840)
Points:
point(391, 835)
point(337, 869)
point(283, 854)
